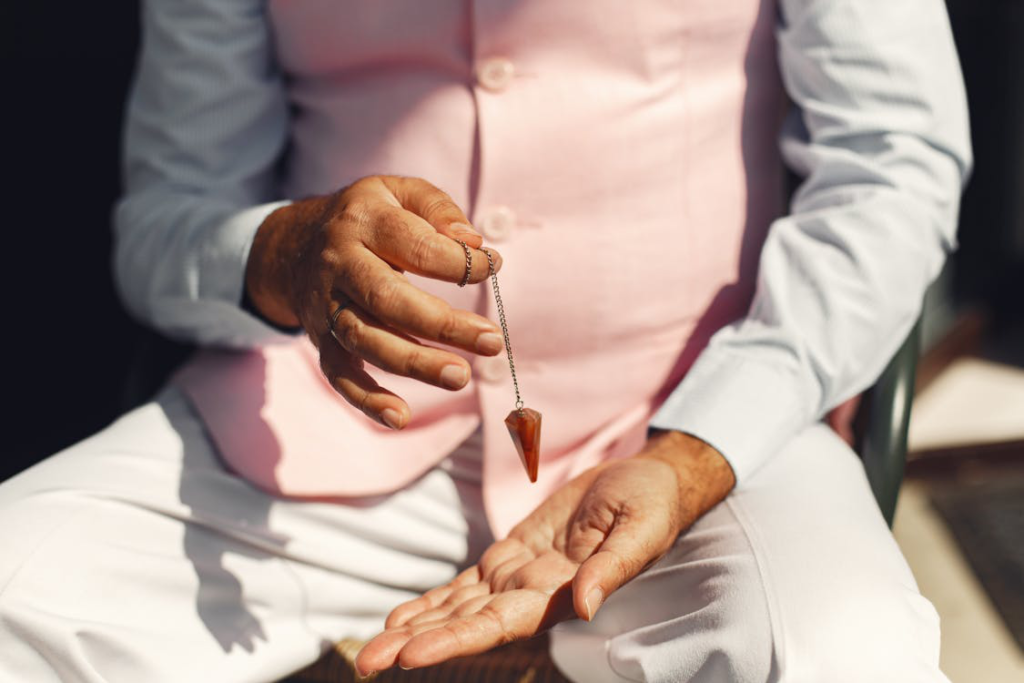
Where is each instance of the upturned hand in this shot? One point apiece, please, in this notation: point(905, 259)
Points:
point(589, 538)
point(351, 248)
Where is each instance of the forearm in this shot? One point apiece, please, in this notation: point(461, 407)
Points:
point(703, 475)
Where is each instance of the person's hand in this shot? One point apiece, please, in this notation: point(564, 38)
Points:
point(351, 248)
point(589, 538)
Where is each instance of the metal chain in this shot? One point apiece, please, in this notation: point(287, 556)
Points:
point(469, 264)
point(504, 328)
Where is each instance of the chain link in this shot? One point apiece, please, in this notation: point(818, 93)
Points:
point(504, 328)
point(469, 264)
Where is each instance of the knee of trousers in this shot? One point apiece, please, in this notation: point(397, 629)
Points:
point(882, 634)
point(708, 624)
point(879, 634)
point(28, 625)
point(730, 639)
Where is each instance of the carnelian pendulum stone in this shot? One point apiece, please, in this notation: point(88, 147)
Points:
point(523, 423)
point(524, 428)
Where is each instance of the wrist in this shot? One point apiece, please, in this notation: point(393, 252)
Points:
point(270, 269)
point(703, 474)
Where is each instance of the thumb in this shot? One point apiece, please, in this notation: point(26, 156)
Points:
point(435, 207)
point(623, 554)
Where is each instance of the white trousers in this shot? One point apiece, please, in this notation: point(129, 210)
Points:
point(134, 556)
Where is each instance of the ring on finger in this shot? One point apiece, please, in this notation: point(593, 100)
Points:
point(469, 264)
point(332, 319)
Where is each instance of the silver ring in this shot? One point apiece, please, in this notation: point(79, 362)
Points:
point(469, 264)
point(332, 320)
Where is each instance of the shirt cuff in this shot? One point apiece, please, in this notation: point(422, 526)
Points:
point(746, 408)
point(224, 261)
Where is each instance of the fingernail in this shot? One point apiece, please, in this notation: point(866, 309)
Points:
point(489, 343)
point(360, 674)
point(463, 229)
point(392, 418)
point(593, 602)
point(454, 376)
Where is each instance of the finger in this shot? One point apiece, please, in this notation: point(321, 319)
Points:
point(498, 577)
point(471, 606)
point(498, 553)
point(345, 374)
point(455, 604)
point(508, 617)
point(622, 556)
point(382, 651)
point(431, 598)
point(395, 302)
point(435, 207)
point(363, 336)
point(408, 242)
point(549, 573)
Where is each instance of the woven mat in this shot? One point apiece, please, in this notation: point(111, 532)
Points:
point(987, 520)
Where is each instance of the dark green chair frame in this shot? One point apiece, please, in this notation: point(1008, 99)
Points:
point(882, 422)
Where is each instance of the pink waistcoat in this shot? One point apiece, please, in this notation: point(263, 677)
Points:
point(621, 156)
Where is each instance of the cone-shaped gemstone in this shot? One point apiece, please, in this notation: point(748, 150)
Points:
point(524, 427)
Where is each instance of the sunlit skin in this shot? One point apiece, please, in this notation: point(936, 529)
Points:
point(352, 246)
point(587, 539)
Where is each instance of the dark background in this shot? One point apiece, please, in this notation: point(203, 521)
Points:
point(70, 348)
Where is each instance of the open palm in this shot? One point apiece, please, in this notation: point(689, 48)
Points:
point(593, 535)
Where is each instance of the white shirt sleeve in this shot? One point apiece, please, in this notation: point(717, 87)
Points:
point(207, 122)
point(880, 134)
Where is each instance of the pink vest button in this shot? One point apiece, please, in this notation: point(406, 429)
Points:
point(493, 368)
point(495, 74)
point(498, 222)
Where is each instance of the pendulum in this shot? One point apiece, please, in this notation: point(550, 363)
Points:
point(523, 423)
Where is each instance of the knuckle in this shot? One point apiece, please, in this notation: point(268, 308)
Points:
point(331, 258)
point(423, 251)
point(439, 205)
point(363, 184)
point(355, 211)
point(629, 566)
point(414, 363)
point(364, 404)
point(389, 218)
point(448, 327)
point(351, 334)
point(382, 298)
point(353, 271)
